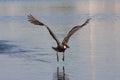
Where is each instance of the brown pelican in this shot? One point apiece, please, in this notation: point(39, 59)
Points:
point(61, 46)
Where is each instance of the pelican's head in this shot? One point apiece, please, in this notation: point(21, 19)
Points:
point(65, 46)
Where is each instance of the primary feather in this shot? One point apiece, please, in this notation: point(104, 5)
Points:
point(73, 30)
point(37, 22)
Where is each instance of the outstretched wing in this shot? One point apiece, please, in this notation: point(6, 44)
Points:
point(37, 22)
point(34, 21)
point(73, 30)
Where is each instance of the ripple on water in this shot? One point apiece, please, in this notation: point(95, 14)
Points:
point(9, 48)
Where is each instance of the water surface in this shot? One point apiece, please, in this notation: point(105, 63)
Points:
point(25, 49)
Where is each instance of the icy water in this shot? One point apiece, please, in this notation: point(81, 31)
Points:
point(25, 49)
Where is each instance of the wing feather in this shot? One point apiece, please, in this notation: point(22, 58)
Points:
point(34, 21)
point(73, 30)
point(37, 22)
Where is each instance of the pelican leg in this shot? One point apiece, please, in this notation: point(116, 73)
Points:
point(57, 57)
point(63, 56)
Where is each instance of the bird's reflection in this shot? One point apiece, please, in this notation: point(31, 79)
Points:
point(60, 75)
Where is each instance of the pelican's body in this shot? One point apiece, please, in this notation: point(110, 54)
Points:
point(61, 46)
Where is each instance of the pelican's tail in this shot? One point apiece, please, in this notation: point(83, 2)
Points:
point(54, 48)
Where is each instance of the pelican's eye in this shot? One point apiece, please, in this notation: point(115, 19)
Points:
point(64, 47)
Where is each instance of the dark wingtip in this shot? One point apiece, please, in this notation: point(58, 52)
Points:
point(34, 20)
point(88, 20)
point(29, 16)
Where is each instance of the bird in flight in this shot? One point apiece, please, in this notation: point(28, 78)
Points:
point(61, 46)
